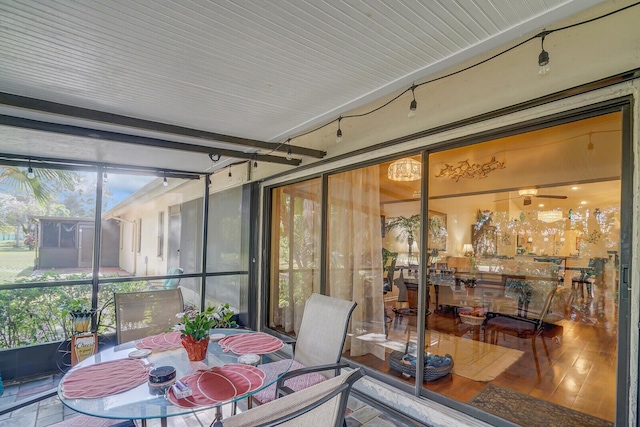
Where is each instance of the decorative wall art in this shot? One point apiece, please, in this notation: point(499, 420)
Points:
point(469, 171)
point(437, 230)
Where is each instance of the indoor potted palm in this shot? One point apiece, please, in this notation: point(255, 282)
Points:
point(409, 229)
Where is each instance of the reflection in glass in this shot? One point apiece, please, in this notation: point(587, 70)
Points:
point(228, 232)
point(149, 229)
point(539, 280)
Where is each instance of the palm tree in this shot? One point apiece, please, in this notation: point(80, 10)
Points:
point(43, 185)
point(17, 178)
point(409, 229)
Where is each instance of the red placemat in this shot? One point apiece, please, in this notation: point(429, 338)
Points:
point(254, 343)
point(161, 341)
point(104, 379)
point(219, 384)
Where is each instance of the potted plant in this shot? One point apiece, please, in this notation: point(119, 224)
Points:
point(195, 328)
point(409, 229)
point(80, 312)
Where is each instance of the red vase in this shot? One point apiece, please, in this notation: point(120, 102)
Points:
point(196, 350)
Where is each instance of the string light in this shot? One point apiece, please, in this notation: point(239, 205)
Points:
point(289, 149)
point(30, 173)
point(164, 181)
point(105, 178)
point(255, 161)
point(543, 58)
point(414, 103)
point(543, 63)
point(230, 177)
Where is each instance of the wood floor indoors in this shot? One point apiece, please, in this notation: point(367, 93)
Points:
point(579, 375)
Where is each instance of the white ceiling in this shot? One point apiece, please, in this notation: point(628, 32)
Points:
point(263, 70)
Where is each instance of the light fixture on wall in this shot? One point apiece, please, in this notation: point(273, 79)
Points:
point(339, 132)
point(543, 58)
point(590, 146)
point(289, 149)
point(414, 103)
point(30, 173)
point(406, 169)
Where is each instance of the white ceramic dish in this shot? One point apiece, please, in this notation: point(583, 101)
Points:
point(216, 337)
point(249, 359)
point(140, 354)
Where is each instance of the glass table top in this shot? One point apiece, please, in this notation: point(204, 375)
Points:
point(139, 403)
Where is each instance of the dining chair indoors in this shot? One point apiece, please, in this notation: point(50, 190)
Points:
point(317, 349)
point(141, 314)
point(521, 327)
point(321, 405)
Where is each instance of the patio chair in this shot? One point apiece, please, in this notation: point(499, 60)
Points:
point(320, 405)
point(172, 283)
point(141, 314)
point(169, 283)
point(317, 349)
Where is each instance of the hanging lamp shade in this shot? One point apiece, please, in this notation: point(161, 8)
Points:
point(406, 169)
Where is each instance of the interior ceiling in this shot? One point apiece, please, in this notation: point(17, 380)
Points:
point(213, 72)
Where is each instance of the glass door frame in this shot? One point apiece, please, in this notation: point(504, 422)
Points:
point(623, 105)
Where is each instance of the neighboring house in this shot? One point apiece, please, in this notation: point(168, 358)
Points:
point(161, 228)
point(67, 242)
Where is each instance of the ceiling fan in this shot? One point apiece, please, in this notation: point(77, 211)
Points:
point(529, 193)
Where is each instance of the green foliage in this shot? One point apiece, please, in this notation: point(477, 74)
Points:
point(198, 325)
point(38, 315)
point(75, 306)
point(409, 227)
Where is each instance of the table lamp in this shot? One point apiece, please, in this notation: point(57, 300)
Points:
point(467, 249)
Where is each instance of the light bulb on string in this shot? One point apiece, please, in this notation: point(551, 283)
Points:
point(590, 146)
point(289, 149)
point(229, 176)
point(339, 132)
point(543, 58)
point(164, 181)
point(105, 178)
point(414, 104)
point(255, 162)
point(30, 173)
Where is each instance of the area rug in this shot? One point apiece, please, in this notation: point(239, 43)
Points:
point(476, 360)
point(530, 411)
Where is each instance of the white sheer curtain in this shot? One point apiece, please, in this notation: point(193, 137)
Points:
point(355, 252)
point(295, 251)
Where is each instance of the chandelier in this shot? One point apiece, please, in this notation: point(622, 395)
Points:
point(406, 169)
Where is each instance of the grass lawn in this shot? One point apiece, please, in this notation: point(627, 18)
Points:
point(15, 262)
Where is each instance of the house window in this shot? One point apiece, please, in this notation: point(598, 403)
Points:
point(58, 234)
point(160, 234)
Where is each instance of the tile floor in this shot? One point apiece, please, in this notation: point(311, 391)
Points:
point(50, 411)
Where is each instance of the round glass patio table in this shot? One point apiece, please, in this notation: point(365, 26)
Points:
point(139, 404)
